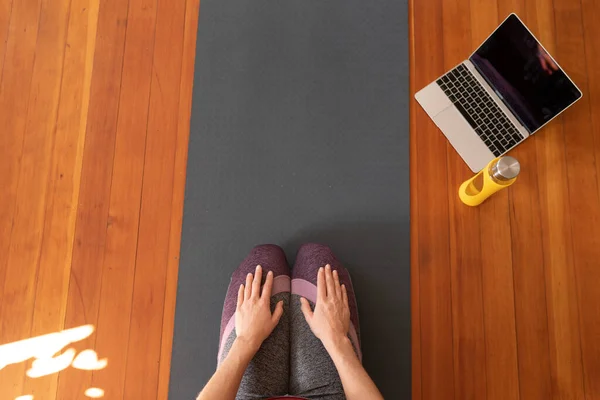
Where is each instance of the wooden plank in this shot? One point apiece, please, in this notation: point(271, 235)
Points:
point(496, 257)
point(29, 212)
point(125, 195)
point(529, 279)
point(528, 261)
point(92, 213)
point(484, 20)
point(506, 7)
point(591, 31)
point(465, 248)
point(181, 153)
point(498, 299)
point(8, 147)
point(14, 99)
point(530, 320)
point(584, 202)
point(5, 16)
point(437, 379)
point(589, 298)
point(528, 268)
point(561, 295)
point(141, 379)
point(415, 305)
point(63, 186)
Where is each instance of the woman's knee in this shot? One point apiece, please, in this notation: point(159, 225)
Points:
point(270, 256)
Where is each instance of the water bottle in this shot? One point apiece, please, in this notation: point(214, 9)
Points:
point(497, 175)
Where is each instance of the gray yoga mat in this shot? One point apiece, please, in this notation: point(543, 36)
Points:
point(299, 134)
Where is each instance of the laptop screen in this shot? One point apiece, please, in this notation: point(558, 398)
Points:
point(524, 75)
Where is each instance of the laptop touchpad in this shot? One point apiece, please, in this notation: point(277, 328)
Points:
point(464, 139)
point(433, 99)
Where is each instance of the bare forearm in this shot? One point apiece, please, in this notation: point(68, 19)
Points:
point(357, 383)
point(225, 383)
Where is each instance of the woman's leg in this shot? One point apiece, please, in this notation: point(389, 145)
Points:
point(268, 373)
point(312, 372)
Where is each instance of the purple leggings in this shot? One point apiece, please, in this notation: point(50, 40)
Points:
point(292, 360)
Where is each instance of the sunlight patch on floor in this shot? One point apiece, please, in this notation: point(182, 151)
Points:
point(94, 393)
point(42, 347)
point(49, 357)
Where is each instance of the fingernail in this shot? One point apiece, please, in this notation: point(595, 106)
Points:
point(270, 273)
point(328, 266)
point(249, 274)
point(320, 269)
point(257, 267)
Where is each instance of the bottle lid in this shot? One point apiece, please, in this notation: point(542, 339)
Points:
point(506, 168)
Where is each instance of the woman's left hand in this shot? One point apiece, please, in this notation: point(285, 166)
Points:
point(253, 319)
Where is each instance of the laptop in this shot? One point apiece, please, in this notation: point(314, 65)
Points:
point(507, 90)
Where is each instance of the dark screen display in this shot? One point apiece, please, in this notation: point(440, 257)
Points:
point(524, 75)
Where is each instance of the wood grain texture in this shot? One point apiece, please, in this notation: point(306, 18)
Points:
point(470, 376)
point(591, 31)
point(29, 212)
point(181, 154)
point(502, 380)
point(527, 326)
point(39, 143)
point(63, 185)
point(95, 116)
point(433, 240)
point(92, 212)
point(141, 379)
point(16, 78)
point(120, 250)
point(587, 270)
point(583, 195)
point(5, 16)
point(415, 306)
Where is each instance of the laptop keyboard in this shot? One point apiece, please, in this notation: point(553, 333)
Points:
point(480, 110)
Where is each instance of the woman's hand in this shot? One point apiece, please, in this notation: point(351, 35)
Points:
point(253, 324)
point(330, 321)
point(253, 319)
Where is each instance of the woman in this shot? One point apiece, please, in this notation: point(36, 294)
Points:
point(295, 335)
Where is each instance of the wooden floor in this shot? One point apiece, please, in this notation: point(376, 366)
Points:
point(506, 297)
point(94, 116)
point(94, 111)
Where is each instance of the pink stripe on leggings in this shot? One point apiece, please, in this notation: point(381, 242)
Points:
point(281, 284)
point(308, 290)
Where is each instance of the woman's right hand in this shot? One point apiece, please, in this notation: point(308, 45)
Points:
point(330, 321)
point(253, 319)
